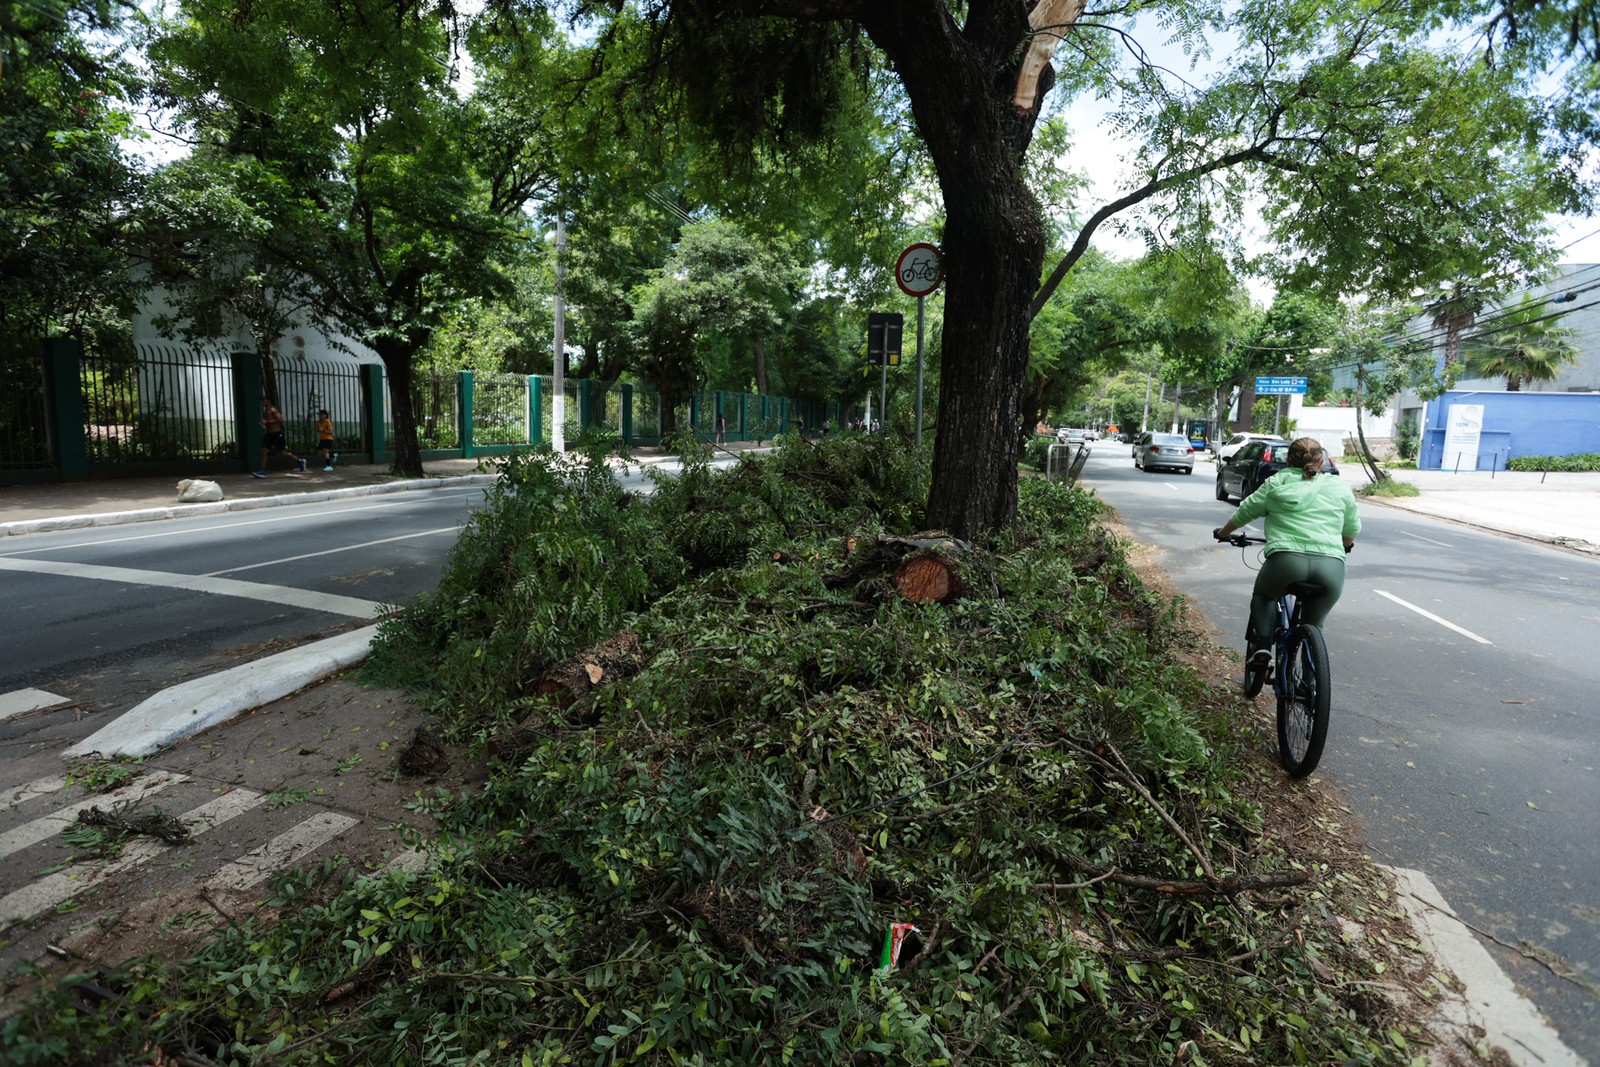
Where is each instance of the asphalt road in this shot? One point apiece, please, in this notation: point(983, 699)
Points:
point(1466, 729)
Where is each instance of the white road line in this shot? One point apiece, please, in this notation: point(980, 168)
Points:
point(48, 892)
point(1447, 624)
point(283, 596)
point(281, 851)
point(1430, 540)
point(1489, 999)
point(47, 826)
point(22, 701)
point(37, 788)
point(331, 551)
point(190, 530)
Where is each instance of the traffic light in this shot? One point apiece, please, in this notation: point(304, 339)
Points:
point(883, 338)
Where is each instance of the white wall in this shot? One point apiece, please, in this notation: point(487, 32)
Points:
point(304, 342)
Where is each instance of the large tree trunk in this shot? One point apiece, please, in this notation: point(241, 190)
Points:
point(397, 364)
point(961, 84)
point(761, 367)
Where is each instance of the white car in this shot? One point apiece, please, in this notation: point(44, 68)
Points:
point(1237, 441)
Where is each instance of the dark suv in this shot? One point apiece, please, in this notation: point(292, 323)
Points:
point(1253, 464)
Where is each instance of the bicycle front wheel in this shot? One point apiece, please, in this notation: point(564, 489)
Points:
point(1304, 694)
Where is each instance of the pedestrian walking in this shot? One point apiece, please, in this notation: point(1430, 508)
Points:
point(722, 429)
point(274, 443)
point(325, 439)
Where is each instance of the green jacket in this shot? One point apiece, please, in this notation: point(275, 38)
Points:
point(1311, 515)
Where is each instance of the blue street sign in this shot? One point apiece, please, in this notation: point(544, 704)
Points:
point(1280, 386)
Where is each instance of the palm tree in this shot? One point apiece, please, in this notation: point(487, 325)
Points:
point(1524, 344)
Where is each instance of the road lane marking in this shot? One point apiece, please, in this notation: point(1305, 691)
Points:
point(297, 517)
point(1430, 540)
point(51, 891)
point(281, 595)
point(1426, 614)
point(47, 826)
point(22, 701)
point(37, 788)
point(282, 851)
point(331, 551)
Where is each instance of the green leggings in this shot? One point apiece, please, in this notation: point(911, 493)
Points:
point(1282, 569)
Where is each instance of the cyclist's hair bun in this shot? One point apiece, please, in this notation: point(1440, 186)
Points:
point(1306, 453)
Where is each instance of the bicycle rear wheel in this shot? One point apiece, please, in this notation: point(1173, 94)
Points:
point(1303, 700)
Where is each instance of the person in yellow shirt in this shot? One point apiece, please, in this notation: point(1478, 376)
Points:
point(325, 439)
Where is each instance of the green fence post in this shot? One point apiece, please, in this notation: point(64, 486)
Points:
point(464, 411)
point(627, 414)
point(248, 389)
point(63, 359)
point(585, 405)
point(535, 410)
point(372, 411)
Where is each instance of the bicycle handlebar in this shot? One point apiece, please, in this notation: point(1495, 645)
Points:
point(1241, 540)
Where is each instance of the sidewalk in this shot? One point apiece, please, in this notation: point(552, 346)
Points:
point(1557, 508)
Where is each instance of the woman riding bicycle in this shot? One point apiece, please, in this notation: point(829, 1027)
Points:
point(1311, 524)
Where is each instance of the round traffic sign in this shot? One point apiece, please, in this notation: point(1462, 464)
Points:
point(919, 270)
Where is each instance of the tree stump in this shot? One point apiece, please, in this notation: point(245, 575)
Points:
point(618, 656)
point(928, 578)
point(928, 575)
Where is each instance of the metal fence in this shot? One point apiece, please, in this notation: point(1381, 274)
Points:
point(160, 404)
point(500, 409)
point(160, 408)
point(24, 417)
point(306, 387)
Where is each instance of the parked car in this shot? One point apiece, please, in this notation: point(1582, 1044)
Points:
point(1226, 450)
point(1254, 463)
point(1170, 450)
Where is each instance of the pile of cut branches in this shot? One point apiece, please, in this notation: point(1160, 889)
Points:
point(731, 755)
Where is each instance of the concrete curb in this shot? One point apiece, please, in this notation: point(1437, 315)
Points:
point(1489, 1004)
point(190, 707)
point(117, 518)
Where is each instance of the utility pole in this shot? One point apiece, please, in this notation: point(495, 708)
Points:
point(1177, 408)
point(1144, 419)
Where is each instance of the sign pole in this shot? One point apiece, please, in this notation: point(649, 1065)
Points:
point(918, 272)
point(920, 299)
point(883, 392)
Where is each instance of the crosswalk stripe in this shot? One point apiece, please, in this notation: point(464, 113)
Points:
point(281, 851)
point(50, 891)
point(48, 826)
point(36, 788)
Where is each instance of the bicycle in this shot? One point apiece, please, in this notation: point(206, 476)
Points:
point(1301, 677)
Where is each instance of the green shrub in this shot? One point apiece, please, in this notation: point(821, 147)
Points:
point(1388, 487)
point(1585, 462)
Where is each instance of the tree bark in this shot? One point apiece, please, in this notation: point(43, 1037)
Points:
point(961, 82)
point(761, 367)
point(398, 363)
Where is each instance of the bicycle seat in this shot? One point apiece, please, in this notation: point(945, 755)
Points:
point(1307, 590)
